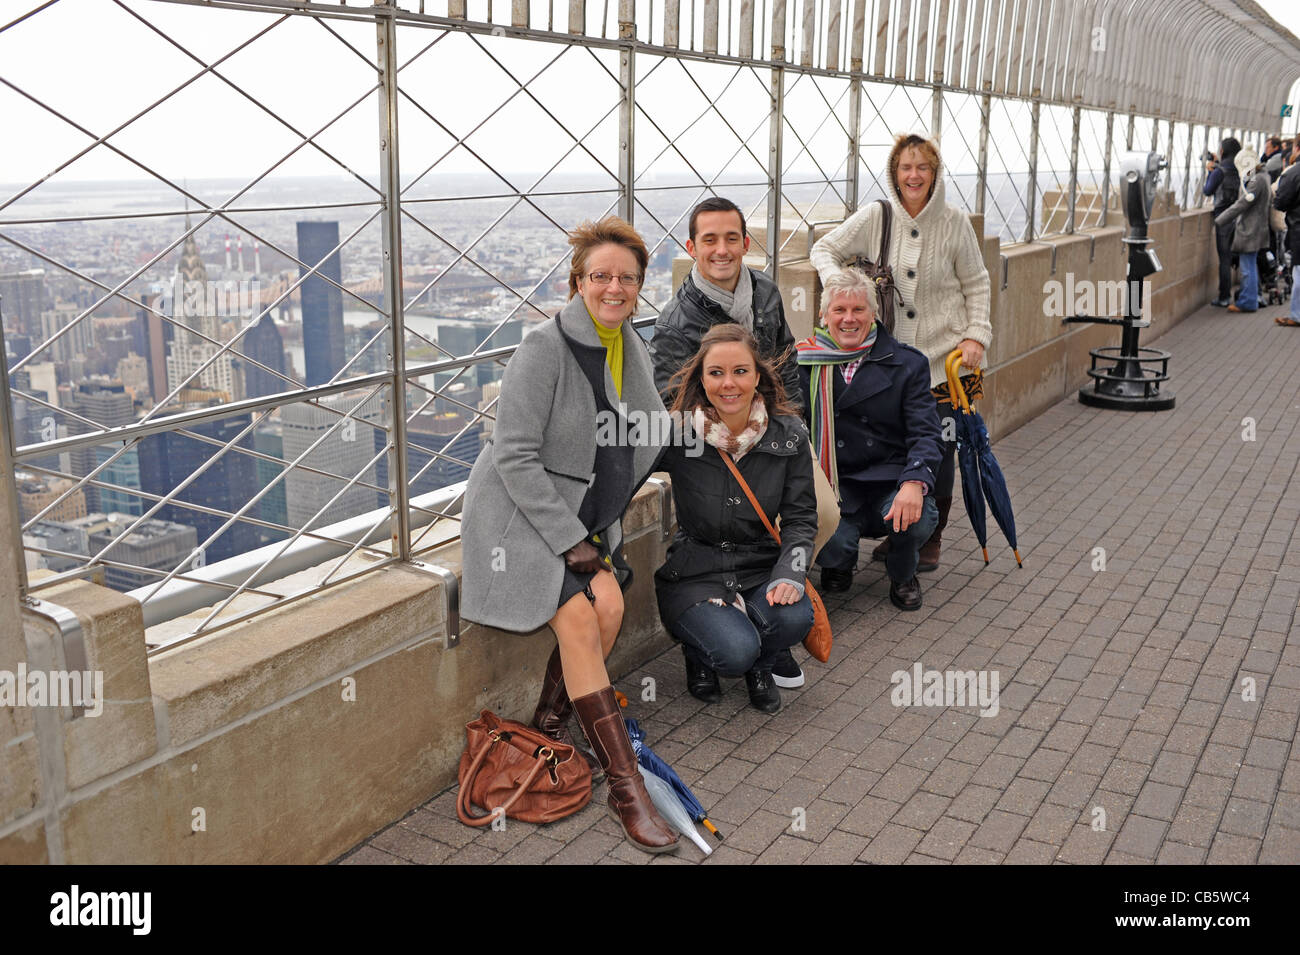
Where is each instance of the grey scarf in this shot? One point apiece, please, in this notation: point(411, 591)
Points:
point(738, 304)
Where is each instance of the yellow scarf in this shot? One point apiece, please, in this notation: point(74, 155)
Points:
point(612, 339)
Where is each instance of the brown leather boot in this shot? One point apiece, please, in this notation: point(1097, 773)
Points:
point(929, 555)
point(601, 720)
point(554, 710)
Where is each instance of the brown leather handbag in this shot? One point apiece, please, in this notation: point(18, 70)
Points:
point(520, 771)
point(880, 272)
point(819, 639)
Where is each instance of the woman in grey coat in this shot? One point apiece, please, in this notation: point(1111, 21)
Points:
point(1250, 212)
point(579, 427)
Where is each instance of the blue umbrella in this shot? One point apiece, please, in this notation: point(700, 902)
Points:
point(652, 762)
point(981, 476)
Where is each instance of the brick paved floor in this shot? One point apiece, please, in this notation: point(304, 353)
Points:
point(1122, 735)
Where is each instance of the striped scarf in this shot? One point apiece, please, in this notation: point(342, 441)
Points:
point(821, 353)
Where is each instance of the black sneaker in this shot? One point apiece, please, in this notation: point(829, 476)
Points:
point(785, 672)
point(836, 581)
point(763, 694)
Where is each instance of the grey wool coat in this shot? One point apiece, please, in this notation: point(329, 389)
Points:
point(521, 504)
point(1250, 212)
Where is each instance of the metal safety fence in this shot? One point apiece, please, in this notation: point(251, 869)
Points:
point(259, 278)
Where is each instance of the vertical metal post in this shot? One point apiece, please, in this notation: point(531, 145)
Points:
point(1105, 172)
point(936, 112)
point(986, 103)
point(1074, 170)
point(1032, 186)
point(776, 131)
point(8, 448)
point(775, 136)
point(390, 182)
point(627, 109)
point(853, 196)
point(1132, 121)
point(1169, 156)
point(1187, 166)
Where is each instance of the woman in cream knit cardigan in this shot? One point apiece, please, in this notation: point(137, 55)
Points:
point(940, 275)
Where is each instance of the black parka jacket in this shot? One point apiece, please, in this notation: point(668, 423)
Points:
point(691, 313)
point(721, 545)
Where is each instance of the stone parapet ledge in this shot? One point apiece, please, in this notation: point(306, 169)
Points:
point(287, 738)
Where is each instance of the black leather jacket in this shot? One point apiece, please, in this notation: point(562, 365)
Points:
point(691, 313)
point(721, 546)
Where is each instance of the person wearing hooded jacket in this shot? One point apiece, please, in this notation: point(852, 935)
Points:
point(1248, 217)
point(1224, 184)
point(939, 271)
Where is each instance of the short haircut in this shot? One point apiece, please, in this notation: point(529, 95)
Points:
point(848, 282)
point(716, 204)
point(926, 147)
point(1275, 141)
point(610, 230)
point(1229, 148)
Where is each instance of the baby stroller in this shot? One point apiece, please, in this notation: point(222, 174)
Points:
point(1275, 272)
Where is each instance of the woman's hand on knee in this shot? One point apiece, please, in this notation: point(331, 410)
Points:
point(783, 593)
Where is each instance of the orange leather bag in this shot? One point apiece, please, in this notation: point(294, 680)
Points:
point(520, 771)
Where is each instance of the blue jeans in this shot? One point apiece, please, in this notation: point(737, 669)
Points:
point(841, 551)
point(733, 643)
point(1248, 297)
point(1295, 292)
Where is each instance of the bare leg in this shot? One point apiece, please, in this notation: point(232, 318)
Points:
point(586, 633)
point(609, 609)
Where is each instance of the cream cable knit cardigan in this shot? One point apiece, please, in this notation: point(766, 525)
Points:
point(949, 287)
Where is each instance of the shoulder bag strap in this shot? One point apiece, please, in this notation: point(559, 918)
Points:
point(886, 227)
point(731, 466)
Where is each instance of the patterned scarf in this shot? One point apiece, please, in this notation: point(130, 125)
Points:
point(715, 432)
point(821, 353)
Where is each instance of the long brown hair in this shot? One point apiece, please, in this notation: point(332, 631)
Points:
point(688, 383)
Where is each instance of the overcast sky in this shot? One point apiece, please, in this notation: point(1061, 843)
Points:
point(98, 65)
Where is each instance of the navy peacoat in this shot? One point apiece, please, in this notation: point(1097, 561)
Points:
point(886, 425)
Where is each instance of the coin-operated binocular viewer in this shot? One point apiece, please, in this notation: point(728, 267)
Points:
point(1133, 382)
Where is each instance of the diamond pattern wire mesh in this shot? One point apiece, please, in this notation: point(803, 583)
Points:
point(1092, 167)
point(959, 144)
point(887, 110)
point(483, 255)
point(1008, 165)
point(1053, 206)
point(202, 491)
point(814, 177)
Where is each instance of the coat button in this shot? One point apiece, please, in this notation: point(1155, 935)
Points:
point(730, 583)
point(911, 273)
point(839, 444)
point(868, 442)
point(911, 313)
point(915, 233)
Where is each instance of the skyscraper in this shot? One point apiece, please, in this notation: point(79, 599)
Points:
point(167, 459)
point(189, 352)
point(322, 303)
point(263, 343)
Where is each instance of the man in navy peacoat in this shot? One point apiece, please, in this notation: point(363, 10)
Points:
point(887, 433)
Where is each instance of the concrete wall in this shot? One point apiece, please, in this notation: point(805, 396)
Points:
point(293, 736)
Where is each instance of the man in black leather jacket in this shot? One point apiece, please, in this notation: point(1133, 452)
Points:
point(712, 294)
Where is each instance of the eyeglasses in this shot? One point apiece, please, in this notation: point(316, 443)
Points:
point(627, 279)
